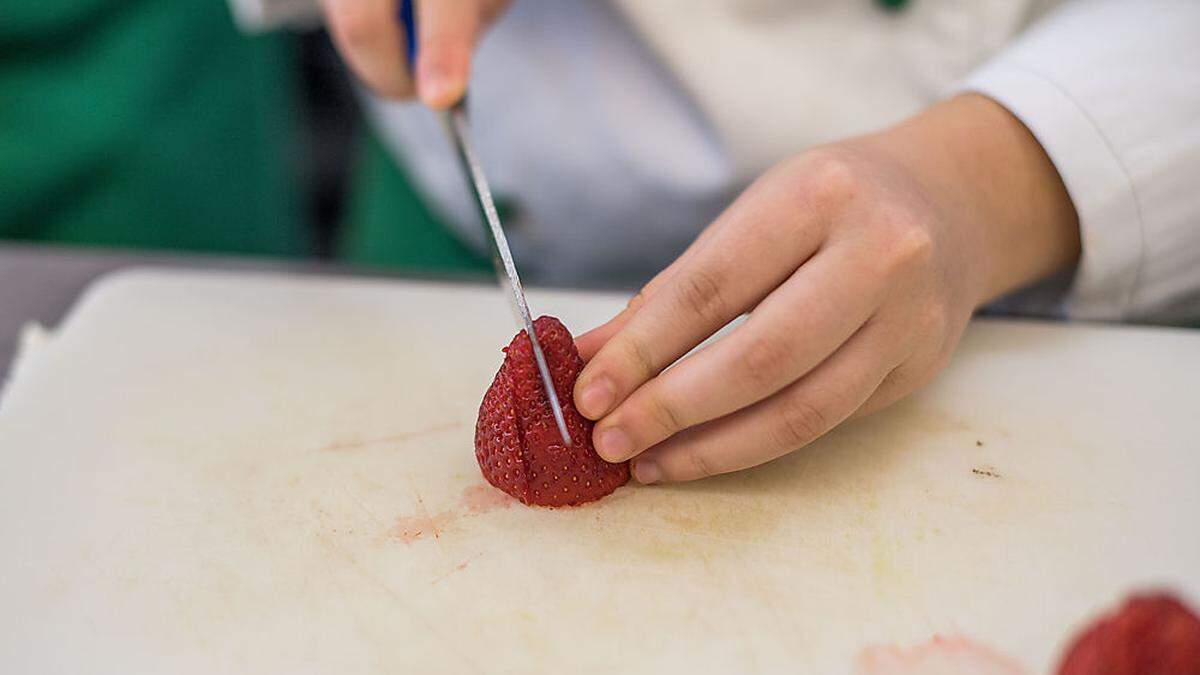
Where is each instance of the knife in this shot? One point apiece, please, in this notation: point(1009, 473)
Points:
point(455, 121)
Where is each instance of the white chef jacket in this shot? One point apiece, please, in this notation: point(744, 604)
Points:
point(619, 129)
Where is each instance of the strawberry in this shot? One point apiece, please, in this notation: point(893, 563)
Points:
point(517, 442)
point(1150, 635)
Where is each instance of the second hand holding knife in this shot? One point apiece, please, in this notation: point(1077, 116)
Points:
point(455, 121)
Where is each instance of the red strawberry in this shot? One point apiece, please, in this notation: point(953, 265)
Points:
point(517, 442)
point(1149, 635)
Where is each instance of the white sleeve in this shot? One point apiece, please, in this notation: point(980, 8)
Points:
point(1111, 89)
point(254, 16)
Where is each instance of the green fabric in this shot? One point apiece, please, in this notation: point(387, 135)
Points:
point(388, 225)
point(146, 123)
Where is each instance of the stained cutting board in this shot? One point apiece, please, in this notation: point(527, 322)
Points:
point(262, 474)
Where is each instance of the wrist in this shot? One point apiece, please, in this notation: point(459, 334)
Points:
point(996, 187)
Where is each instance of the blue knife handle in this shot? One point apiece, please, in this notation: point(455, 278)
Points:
point(410, 32)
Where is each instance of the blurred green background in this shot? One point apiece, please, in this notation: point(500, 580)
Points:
point(158, 125)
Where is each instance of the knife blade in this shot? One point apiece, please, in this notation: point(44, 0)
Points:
point(457, 127)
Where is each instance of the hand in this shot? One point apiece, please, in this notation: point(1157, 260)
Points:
point(860, 264)
point(369, 36)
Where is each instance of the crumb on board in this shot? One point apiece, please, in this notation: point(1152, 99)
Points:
point(979, 444)
point(986, 471)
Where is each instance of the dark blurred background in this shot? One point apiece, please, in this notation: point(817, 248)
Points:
point(333, 127)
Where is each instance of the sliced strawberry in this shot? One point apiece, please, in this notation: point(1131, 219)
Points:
point(517, 442)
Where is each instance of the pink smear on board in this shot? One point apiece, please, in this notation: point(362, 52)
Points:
point(482, 498)
point(476, 500)
point(454, 570)
point(955, 655)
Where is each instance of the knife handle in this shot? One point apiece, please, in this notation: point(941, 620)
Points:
point(409, 24)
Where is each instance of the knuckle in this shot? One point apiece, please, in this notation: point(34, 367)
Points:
point(665, 415)
point(762, 361)
point(907, 243)
point(638, 354)
point(906, 379)
point(699, 292)
point(699, 465)
point(398, 89)
point(892, 382)
point(440, 46)
point(802, 423)
point(832, 177)
point(636, 302)
point(355, 24)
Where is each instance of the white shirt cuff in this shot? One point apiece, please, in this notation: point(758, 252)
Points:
point(1111, 227)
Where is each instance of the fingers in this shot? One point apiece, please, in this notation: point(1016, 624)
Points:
point(590, 342)
point(789, 420)
point(891, 389)
point(446, 32)
point(370, 38)
point(795, 328)
point(712, 287)
point(902, 381)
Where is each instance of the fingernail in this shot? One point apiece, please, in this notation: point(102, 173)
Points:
point(596, 398)
point(614, 445)
point(646, 472)
point(435, 86)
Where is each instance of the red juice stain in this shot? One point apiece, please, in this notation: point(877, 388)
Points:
point(476, 500)
point(411, 528)
point(482, 498)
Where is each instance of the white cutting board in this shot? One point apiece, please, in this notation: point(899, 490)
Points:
point(214, 473)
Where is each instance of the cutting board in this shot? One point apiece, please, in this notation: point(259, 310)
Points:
point(214, 473)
